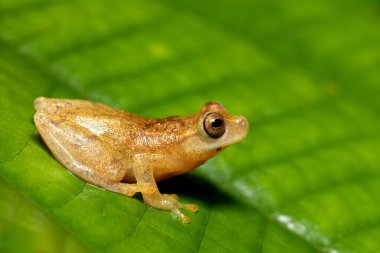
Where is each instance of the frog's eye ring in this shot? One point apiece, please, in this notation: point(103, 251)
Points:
point(213, 124)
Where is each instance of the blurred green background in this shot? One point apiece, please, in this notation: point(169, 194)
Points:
point(305, 74)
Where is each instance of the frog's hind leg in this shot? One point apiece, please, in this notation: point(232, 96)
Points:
point(56, 103)
point(85, 155)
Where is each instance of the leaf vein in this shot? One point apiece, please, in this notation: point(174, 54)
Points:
point(204, 230)
point(21, 149)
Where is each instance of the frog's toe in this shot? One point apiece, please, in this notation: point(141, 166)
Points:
point(175, 199)
point(191, 207)
point(183, 217)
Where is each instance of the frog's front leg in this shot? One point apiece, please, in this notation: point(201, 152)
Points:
point(157, 200)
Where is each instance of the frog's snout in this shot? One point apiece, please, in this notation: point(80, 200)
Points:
point(241, 122)
point(241, 126)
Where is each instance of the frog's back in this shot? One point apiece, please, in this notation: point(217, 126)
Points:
point(87, 124)
point(41, 103)
point(114, 127)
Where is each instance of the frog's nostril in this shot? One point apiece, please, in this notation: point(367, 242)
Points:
point(241, 121)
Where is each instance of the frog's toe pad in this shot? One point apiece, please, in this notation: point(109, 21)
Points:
point(191, 207)
point(183, 217)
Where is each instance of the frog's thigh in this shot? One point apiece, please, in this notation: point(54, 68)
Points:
point(85, 155)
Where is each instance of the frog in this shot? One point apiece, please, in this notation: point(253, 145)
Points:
point(126, 153)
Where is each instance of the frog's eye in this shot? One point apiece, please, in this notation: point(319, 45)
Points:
point(213, 124)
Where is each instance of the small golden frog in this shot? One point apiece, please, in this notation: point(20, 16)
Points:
point(125, 153)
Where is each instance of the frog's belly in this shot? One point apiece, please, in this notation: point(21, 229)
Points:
point(173, 167)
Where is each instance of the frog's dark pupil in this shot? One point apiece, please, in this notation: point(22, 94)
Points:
point(217, 123)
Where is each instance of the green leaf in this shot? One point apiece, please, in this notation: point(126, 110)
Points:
point(306, 75)
point(22, 222)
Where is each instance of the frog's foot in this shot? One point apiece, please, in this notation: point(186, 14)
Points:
point(174, 197)
point(171, 203)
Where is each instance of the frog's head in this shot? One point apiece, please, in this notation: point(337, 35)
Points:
point(215, 129)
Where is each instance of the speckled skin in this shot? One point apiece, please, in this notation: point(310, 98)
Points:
point(126, 153)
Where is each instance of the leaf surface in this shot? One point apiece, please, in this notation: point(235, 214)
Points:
point(304, 74)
